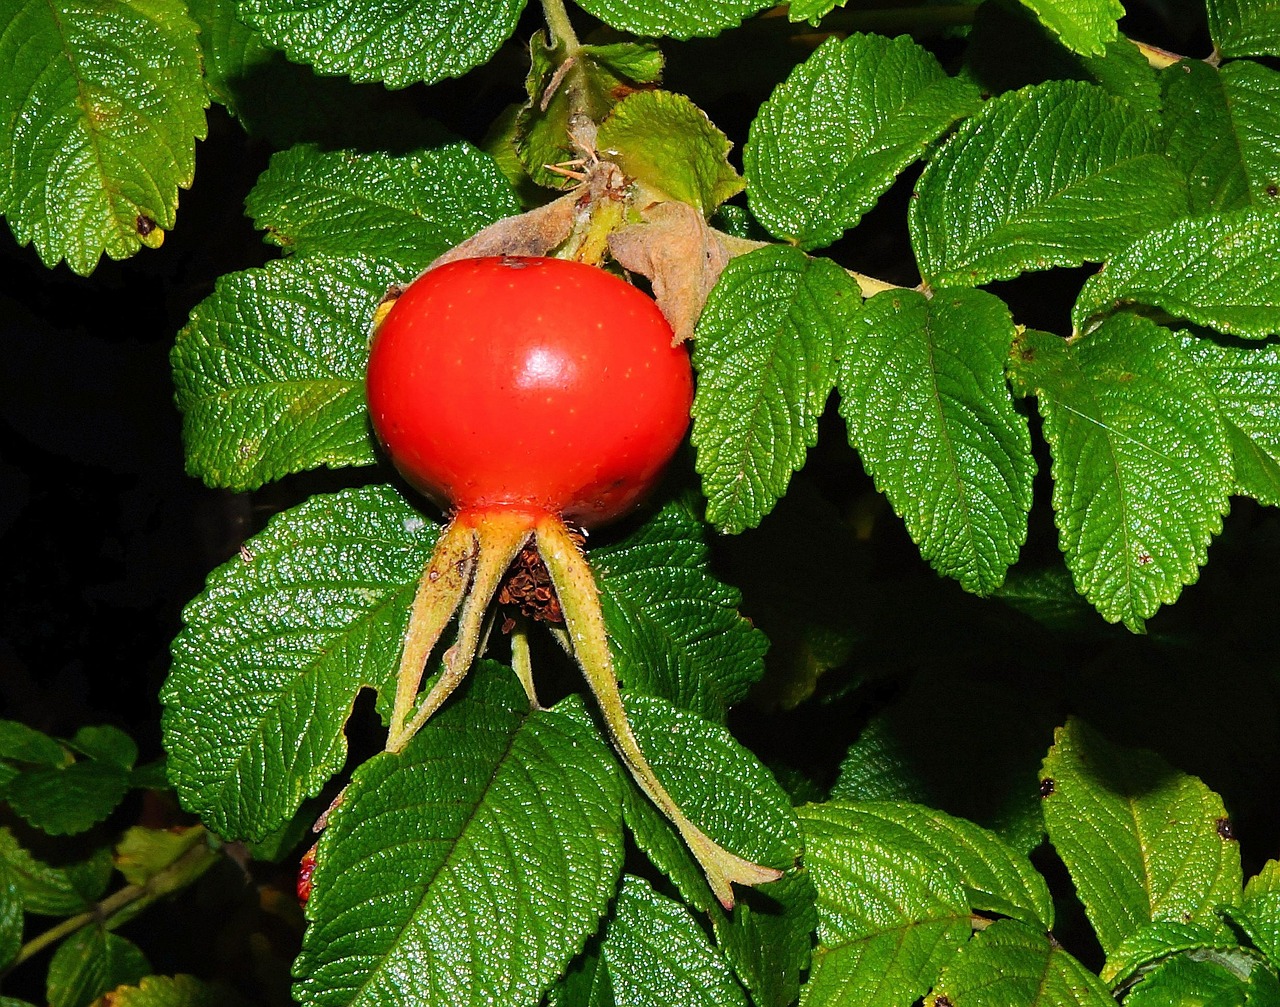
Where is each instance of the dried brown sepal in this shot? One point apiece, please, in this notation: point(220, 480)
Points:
point(528, 587)
point(680, 255)
point(536, 232)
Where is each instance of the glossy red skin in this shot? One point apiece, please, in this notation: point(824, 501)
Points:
point(529, 382)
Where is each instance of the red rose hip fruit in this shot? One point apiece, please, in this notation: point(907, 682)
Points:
point(529, 382)
point(521, 393)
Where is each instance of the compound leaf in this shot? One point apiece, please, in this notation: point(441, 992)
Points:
point(836, 133)
point(399, 43)
point(889, 916)
point(765, 353)
point(471, 867)
point(274, 651)
point(1053, 175)
point(1142, 841)
point(682, 19)
point(269, 371)
point(1221, 270)
point(1141, 464)
point(922, 388)
point(1222, 127)
point(100, 108)
point(1012, 963)
point(675, 629)
point(407, 209)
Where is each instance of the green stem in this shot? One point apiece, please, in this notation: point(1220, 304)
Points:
point(561, 28)
point(126, 903)
point(580, 601)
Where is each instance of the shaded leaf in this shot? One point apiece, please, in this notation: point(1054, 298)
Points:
point(89, 963)
point(1084, 26)
point(67, 800)
point(1259, 911)
point(1158, 941)
point(1215, 980)
point(1245, 27)
point(1223, 128)
point(54, 891)
point(768, 938)
point(170, 991)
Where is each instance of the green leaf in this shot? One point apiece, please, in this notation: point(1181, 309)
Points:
point(1244, 381)
point(675, 629)
point(589, 83)
point(11, 917)
point(1010, 963)
point(888, 916)
point(1221, 270)
point(173, 991)
point(667, 142)
point(276, 648)
point(70, 800)
point(1245, 27)
point(25, 744)
point(269, 371)
point(143, 853)
point(656, 955)
point(923, 390)
point(1259, 911)
point(721, 786)
point(682, 19)
point(1215, 981)
point(996, 878)
point(1083, 26)
point(976, 756)
point(1222, 127)
point(836, 133)
point(768, 938)
point(1158, 941)
point(1141, 464)
point(100, 108)
point(398, 43)
point(765, 353)
point(91, 962)
point(1142, 841)
point(1008, 48)
point(476, 862)
point(106, 744)
point(54, 891)
point(1053, 175)
point(406, 210)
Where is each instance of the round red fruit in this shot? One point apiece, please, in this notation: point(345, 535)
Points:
point(529, 383)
